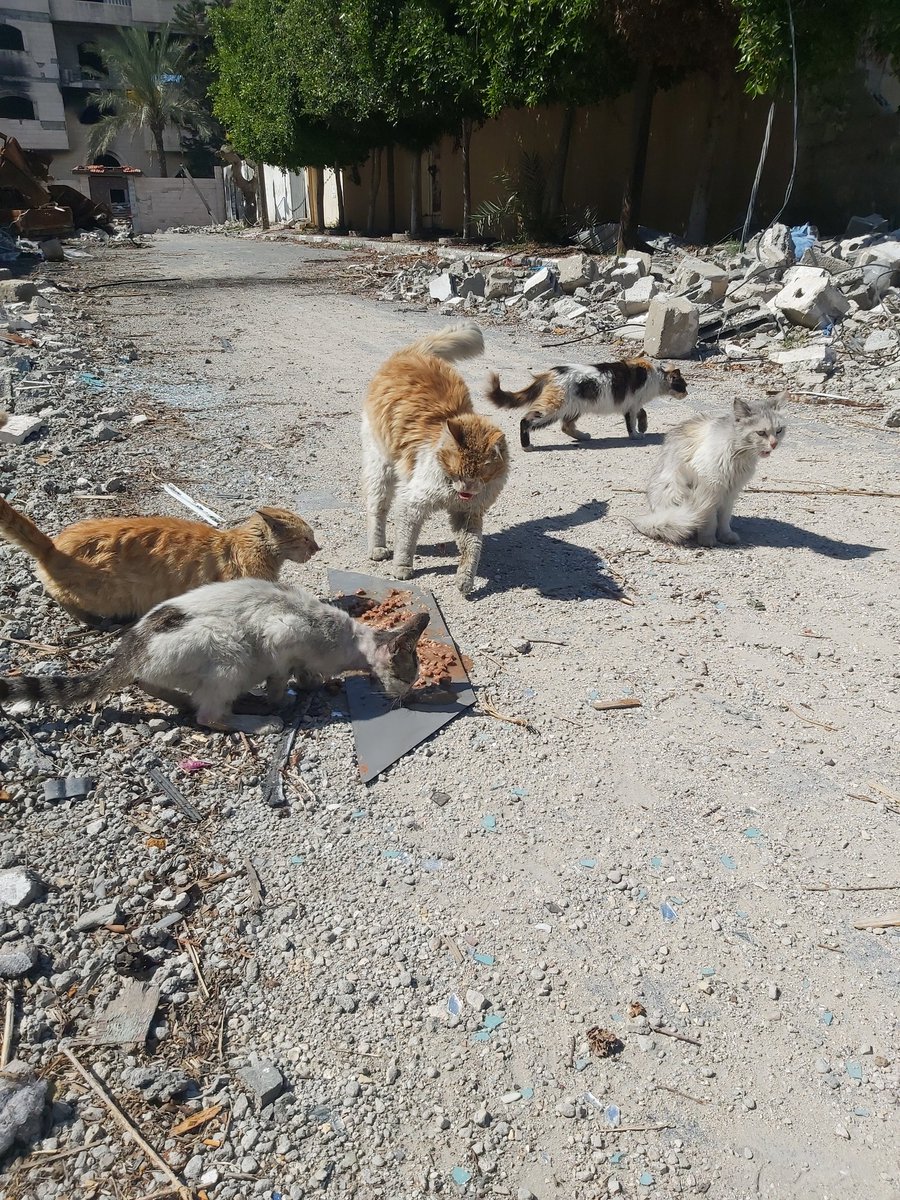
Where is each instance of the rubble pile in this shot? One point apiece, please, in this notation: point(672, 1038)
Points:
point(788, 298)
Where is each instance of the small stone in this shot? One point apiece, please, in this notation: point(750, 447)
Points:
point(19, 887)
point(106, 914)
point(525, 1194)
point(476, 1000)
point(821, 1066)
point(103, 433)
point(510, 1097)
point(440, 798)
point(482, 1118)
point(866, 1048)
point(773, 991)
point(265, 1081)
point(17, 959)
point(842, 1132)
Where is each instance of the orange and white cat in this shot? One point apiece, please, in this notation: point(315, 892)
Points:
point(425, 448)
point(121, 567)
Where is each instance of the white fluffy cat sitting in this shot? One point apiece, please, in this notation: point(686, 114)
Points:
point(702, 468)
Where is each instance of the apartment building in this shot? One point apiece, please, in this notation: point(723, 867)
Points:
point(47, 51)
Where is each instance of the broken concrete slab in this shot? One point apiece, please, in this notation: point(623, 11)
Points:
point(626, 276)
point(709, 280)
point(810, 299)
point(105, 914)
point(880, 341)
point(673, 324)
point(265, 1081)
point(578, 270)
point(18, 428)
point(810, 358)
point(882, 254)
point(127, 1018)
point(19, 887)
point(638, 258)
point(500, 283)
point(540, 282)
point(471, 285)
point(814, 257)
point(636, 299)
point(442, 287)
point(774, 247)
point(23, 1099)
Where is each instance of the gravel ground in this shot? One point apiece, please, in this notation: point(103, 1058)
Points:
point(387, 991)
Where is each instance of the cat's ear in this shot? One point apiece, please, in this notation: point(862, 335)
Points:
point(776, 401)
point(742, 410)
point(406, 634)
point(457, 432)
point(497, 446)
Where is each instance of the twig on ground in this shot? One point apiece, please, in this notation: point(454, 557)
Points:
point(256, 887)
point(487, 708)
point(124, 1122)
point(568, 341)
point(831, 398)
point(606, 705)
point(33, 645)
point(876, 787)
point(220, 1040)
point(823, 492)
point(851, 887)
point(8, 1023)
point(169, 789)
point(825, 946)
point(810, 721)
point(680, 1037)
point(709, 812)
point(635, 1129)
point(661, 1087)
point(890, 921)
point(546, 642)
point(195, 960)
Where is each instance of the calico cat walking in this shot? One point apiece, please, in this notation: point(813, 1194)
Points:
point(426, 448)
point(703, 466)
point(204, 649)
point(121, 567)
point(564, 393)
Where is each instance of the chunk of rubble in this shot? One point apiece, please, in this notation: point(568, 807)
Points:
point(874, 223)
point(500, 283)
point(540, 282)
point(471, 285)
point(882, 254)
point(442, 287)
point(707, 280)
point(265, 1081)
point(636, 299)
point(810, 358)
point(810, 299)
point(23, 1099)
point(673, 324)
point(774, 247)
point(18, 428)
point(19, 887)
point(578, 270)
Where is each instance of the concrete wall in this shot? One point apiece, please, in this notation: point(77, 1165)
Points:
point(286, 198)
point(161, 203)
point(841, 125)
point(33, 73)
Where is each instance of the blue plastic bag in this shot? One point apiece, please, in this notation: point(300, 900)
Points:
point(803, 236)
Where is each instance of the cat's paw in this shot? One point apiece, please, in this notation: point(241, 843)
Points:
point(729, 537)
point(465, 583)
point(379, 553)
point(707, 539)
point(402, 571)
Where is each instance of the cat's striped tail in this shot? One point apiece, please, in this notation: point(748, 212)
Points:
point(671, 524)
point(452, 342)
point(65, 690)
point(17, 528)
point(526, 395)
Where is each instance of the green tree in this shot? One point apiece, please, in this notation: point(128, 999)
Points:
point(147, 76)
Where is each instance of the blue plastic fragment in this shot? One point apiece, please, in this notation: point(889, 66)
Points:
point(454, 1005)
point(720, 606)
point(432, 864)
point(667, 912)
point(488, 821)
point(854, 1070)
point(646, 1179)
point(613, 1116)
point(296, 860)
point(727, 862)
point(482, 1035)
point(486, 960)
point(359, 814)
point(494, 1020)
point(707, 971)
point(581, 1063)
point(861, 1112)
point(642, 893)
point(802, 237)
point(753, 833)
point(392, 854)
point(528, 694)
point(656, 862)
point(519, 791)
point(827, 1017)
point(588, 863)
point(617, 1157)
point(526, 1092)
point(460, 1175)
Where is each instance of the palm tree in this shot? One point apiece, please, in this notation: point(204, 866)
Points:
point(147, 73)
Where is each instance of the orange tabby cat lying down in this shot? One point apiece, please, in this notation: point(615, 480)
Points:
point(121, 567)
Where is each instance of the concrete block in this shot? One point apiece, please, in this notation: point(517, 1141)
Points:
point(471, 285)
point(569, 309)
point(626, 276)
point(774, 247)
point(500, 283)
point(710, 281)
point(812, 358)
point(541, 281)
point(813, 257)
point(578, 270)
point(810, 298)
point(673, 324)
point(638, 258)
point(882, 254)
point(19, 428)
point(636, 299)
point(441, 287)
point(880, 341)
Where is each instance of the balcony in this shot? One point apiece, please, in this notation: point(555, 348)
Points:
point(77, 77)
point(92, 12)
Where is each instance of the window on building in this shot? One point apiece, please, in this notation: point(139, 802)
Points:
point(11, 38)
point(91, 115)
point(89, 56)
point(118, 196)
point(16, 108)
point(106, 160)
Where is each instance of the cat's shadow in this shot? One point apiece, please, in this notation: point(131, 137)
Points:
point(769, 531)
point(526, 556)
point(595, 443)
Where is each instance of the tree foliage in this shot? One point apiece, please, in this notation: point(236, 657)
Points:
point(147, 76)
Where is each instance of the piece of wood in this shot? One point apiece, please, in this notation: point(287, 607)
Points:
point(851, 887)
point(635, 1129)
point(810, 721)
point(680, 1037)
point(126, 1019)
point(8, 1024)
point(487, 708)
point(876, 787)
point(196, 1120)
point(195, 960)
point(169, 789)
point(255, 883)
point(124, 1123)
point(609, 705)
point(889, 921)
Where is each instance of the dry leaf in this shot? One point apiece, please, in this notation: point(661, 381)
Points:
point(4, 794)
point(195, 1120)
point(155, 843)
point(636, 1009)
point(603, 1042)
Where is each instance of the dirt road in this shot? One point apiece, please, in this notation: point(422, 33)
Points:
point(673, 854)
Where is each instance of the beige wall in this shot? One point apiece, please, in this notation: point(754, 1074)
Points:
point(850, 161)
point(162, 203)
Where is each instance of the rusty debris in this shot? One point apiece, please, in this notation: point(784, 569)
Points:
point(33, 205)
point(636, 1009)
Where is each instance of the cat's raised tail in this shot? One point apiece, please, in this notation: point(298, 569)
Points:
point(452, 343)
point(675, 525)
point(526, 395)
point(17, 528)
